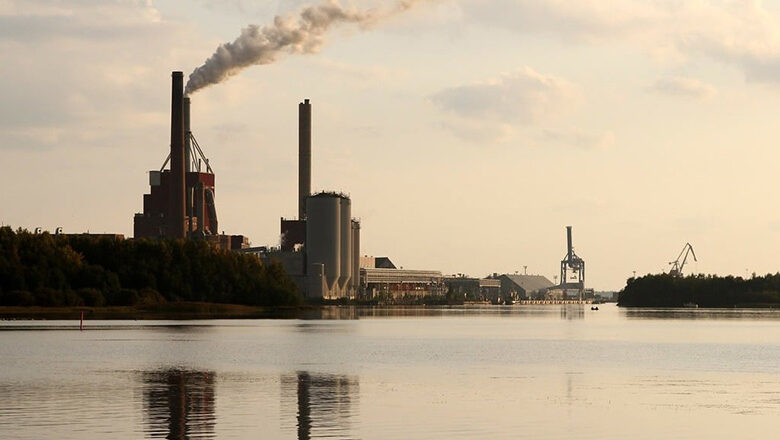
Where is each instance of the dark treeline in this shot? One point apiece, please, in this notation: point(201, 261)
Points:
point(75, 270)
point(705, 291)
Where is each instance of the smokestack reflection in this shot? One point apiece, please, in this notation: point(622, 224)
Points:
point(326, 403)
point(179, 404)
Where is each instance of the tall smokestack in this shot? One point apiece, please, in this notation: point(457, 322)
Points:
point(178, 198)
point(304, 156)
point(187, 165)
point(187, 133)
point(569, 248)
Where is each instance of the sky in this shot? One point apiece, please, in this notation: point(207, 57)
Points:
point(469, 133)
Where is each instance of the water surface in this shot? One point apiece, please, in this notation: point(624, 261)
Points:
point(482, 372)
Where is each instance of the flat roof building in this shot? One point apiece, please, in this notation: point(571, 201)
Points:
point(398, 283)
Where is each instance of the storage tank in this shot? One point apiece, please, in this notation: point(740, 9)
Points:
point(346, 246)
point(316, 281)
point(355, 256)
point(323, 235)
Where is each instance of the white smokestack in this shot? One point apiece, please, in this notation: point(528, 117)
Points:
point(298, 35)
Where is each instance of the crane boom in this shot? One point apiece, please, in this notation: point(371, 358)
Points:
point(677, 265)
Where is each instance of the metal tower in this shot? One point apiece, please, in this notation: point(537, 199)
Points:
point(677, 265)
point(572, 269)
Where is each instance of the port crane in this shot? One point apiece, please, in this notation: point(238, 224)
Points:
point(679, 263)
point(572, 268)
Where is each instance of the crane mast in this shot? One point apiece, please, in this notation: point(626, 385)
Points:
point(572, 269)
point(679, 263)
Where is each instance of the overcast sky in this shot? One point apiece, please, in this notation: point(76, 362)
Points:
point(469, 133)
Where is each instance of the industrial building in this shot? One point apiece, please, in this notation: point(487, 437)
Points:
point(380, 279)
point(320, 249)
point(377, 262)
point(181, 201)
point(522, 287)
point(473, 289)
point(332, 246)
point(400, 283)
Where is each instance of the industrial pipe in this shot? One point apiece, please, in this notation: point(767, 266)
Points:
point(178, 198)
point(304, 156)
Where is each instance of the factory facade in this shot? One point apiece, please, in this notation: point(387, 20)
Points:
point(473, 289)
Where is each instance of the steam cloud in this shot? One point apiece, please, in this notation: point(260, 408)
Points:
point(302, 34)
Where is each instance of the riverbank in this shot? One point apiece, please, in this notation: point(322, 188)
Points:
point(171, 310)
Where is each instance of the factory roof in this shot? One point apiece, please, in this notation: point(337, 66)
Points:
point(331, 194)
point(530, 283)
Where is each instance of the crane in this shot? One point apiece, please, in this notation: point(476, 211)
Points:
point(572, 268)
point(677, 265)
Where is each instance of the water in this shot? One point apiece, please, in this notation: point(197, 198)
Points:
point(491, 372)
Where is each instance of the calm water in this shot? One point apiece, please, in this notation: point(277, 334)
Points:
point(494, 372)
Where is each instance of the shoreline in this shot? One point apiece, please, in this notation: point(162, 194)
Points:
point(201, 310)
point(167, 311)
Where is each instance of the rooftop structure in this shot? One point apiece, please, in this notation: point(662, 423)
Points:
point(524, 286)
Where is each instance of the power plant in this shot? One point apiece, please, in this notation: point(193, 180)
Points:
point(320, 249)
point(181, 200)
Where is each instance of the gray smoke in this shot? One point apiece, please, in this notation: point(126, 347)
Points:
point(302, 34)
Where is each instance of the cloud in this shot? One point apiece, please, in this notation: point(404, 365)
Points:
point(491, 110)
point(83, 73)
point(520, 97)
point(86, 20)
point(685, 87)
point(579, 139)
point(741, 33)
point(361, 74)
point(479, 131)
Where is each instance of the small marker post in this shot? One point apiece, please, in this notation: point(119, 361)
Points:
point(81, 324)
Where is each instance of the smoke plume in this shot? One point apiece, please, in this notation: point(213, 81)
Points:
point(301, 34)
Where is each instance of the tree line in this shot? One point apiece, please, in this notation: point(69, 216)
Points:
point(74, 270)
point(664, 290)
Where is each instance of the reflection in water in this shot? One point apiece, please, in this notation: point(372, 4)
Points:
point(691, 314)
point(179, 404)
point(573, 311)
point(326, 403)
point(323, 327)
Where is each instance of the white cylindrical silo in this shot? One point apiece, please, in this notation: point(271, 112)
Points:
point(346, 245)
point(323, 235)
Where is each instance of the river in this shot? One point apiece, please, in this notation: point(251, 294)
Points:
point(382, 373)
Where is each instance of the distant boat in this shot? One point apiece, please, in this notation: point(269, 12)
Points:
point(691, 306)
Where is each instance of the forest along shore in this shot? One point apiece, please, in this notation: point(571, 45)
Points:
point(47, 270)
point(711, 291)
